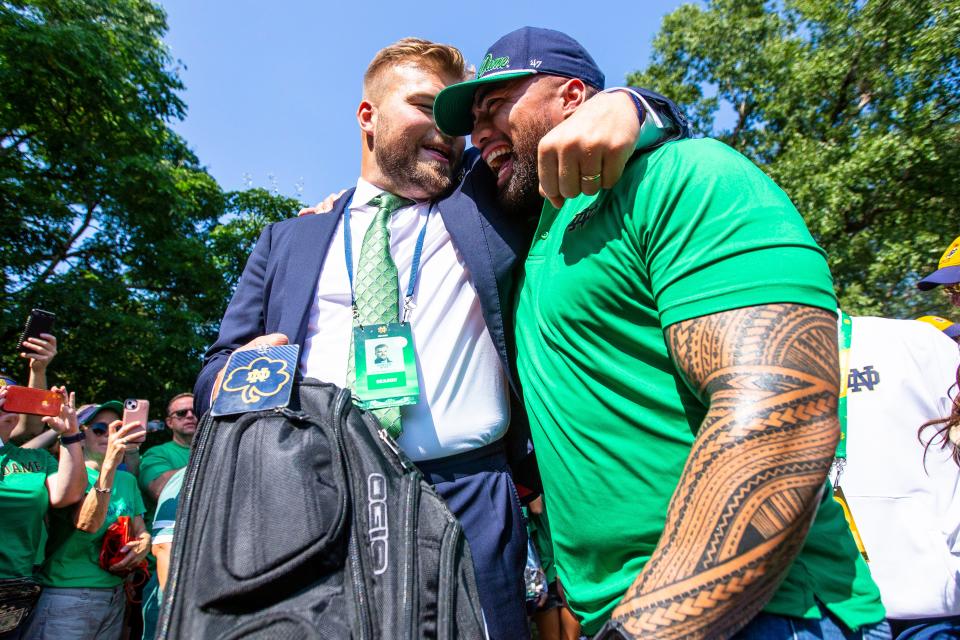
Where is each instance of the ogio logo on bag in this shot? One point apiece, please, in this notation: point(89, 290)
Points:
point(379, 532)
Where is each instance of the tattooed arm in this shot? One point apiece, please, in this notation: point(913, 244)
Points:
point(754, 478)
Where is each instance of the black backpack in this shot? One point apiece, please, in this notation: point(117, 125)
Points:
point(309, 522)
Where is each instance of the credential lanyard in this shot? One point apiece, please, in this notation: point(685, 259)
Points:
point(840, 458)
point(846, 334)
point(408, 305)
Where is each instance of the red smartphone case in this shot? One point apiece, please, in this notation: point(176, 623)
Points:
point(38, 402)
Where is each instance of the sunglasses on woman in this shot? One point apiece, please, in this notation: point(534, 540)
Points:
point(98, 428)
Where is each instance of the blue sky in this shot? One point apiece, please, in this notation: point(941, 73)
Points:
point(272, 87)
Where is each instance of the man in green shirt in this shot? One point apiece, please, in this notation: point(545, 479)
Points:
point(677, 350)
point(162, 461)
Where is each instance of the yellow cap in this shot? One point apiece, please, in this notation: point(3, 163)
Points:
point(937, 321)
point(951, 257)
point(948, 270)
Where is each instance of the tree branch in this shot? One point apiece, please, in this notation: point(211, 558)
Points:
point(16, 142)
point(745, 109)
point(64, 251)
point(841, 104)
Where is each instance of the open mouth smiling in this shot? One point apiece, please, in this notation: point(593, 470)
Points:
point(500, 161)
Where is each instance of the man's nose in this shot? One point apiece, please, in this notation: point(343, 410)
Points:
point(482, 129)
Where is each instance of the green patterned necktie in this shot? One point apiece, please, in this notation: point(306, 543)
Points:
point(377, 290)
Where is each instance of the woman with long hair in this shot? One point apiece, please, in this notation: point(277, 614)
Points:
point(947, 432)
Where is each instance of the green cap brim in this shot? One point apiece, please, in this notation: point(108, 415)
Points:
point(113, 405)
point(453, 108)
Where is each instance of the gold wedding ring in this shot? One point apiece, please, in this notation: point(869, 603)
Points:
point(590, 178)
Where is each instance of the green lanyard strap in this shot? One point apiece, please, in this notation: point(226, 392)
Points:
point(846, 333)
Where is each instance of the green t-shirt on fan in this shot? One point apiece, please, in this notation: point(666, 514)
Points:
point(24, 502)
point(160, 459)
point(692, 228)
point(73, 556)
point(168, 456)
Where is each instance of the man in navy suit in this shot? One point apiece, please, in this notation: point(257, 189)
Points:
point(296, 288)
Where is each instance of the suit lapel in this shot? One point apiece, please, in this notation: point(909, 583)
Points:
point(308, 249)
point(487, 246)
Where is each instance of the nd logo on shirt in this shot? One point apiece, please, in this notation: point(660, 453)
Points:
point(865, 378)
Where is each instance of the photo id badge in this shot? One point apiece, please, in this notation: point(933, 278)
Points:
point(386, 366)
point(257, 379)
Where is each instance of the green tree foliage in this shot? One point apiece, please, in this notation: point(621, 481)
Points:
point(852, 108)
point(247, 213)
point(108, 218)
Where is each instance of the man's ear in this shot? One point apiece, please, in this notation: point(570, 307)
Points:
point(367, 117)
point(574, 93)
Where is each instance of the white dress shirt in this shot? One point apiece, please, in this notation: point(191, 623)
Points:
point(464, 400)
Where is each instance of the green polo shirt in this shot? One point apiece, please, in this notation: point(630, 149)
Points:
point(692, 228)
point(160, 459)
point(73, 556)
point(24, 502)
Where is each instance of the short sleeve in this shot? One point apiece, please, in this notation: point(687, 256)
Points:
point(152, 465)
point(164, 520)
point(718, 234)
point(52, 464)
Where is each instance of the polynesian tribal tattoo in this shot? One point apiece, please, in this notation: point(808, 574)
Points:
point(755, 475)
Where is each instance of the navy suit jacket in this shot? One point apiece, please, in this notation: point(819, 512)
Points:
point(279, 283)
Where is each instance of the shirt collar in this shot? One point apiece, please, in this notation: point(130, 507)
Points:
point(365, 193)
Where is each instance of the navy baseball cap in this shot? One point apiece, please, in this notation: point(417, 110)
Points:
point(524, 52)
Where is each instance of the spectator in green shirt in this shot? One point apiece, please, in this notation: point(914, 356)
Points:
point(32, 481)
point(676, 338)
point(80, 599)
point(161, 462)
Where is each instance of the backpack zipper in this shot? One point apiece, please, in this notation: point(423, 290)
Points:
point(359, 585)
point(410, 555)
point(449, 545)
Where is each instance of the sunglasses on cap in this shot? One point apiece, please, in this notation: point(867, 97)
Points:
point(182, 413)
point(98, 428)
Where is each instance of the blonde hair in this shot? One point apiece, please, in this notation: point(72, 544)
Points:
point(433, 56)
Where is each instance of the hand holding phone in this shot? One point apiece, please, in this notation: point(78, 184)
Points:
point(39, 321)
point(65, 422)
point(37, 402)
point(136, 410)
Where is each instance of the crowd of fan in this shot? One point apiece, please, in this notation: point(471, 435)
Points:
point(81, 513)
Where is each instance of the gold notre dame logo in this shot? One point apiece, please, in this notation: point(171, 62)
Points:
point(264, 377)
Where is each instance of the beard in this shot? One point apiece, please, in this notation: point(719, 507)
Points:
point(520, 196)
point(398, 157)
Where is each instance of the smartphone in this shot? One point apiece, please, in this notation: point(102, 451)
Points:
point(37, 402)
point(39, 321)
point(136, 410)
